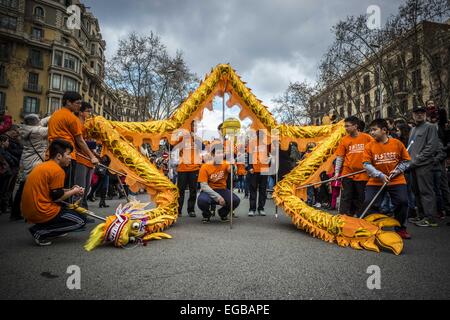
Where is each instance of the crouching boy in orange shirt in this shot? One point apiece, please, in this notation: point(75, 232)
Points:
point(43, 191)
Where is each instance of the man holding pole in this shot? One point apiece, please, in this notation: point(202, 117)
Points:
point(349, 158)
point(385, 160)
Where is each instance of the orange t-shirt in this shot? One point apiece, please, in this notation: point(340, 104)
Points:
point(214, 174)
point(190, 159)
point(241, 169)
point(37, 204)
point(261, 161)
point(385, 157)
point(80, 159)
point(352, 150)
point(63, 124)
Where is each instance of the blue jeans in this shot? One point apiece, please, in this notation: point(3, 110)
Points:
point(310, 193)
point(204, 202)
point(399, 198)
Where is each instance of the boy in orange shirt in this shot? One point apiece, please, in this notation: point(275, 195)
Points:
point(43, 189)
point(349, 158)
point(213, 183)
point(382, 158)
point(64, 124)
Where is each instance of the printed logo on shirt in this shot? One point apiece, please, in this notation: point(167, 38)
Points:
point(356, 148)
point(217, 176)
point(386, 157)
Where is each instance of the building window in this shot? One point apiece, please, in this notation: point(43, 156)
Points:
point(9, 3)
point(39, 12)
point(349, 109)
point(54, 104)
point(37, 34)
point(70, 84)
point(35, 58)
point(416, 80)
point(57, 58)
point(2, 101)
point(7, 22)
point(92, 49)
point(366, 83)
point(4, 51)
point(56, 81)
point(70, 62)
point(30, 105)
point(33, 81)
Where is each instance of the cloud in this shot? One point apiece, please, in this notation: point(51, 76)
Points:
point(268, 42)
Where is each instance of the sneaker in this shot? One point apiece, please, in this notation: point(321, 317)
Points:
point(261, 213)
point(426, 223)
point(224, 219)
point(414, 220)
point(251, 213)
point(192, 214)
point(206, 220)
point(269, 196)
point(42, 242)
point(317, 205)
point(403, 234)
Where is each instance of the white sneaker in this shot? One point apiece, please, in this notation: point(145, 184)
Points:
point(42, 242)
point(251, 213)
point(261, 212)
point(317, 205)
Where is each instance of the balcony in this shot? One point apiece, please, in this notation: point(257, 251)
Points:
point(33, 87)
point(38, 19)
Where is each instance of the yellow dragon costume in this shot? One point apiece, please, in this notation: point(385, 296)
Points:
point(121, 142)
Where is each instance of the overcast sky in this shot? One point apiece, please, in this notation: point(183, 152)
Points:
point(268, 42)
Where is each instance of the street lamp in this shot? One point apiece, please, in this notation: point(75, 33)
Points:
point(380, 98)
point(168, 72)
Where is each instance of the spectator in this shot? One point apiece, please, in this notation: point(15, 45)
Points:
point(102, 184)
point(34, 138)
point(84, 167)
point(425, 144)
point(385, 160)
point(43, 193)
point(9, 162)
point(5, 122)
point(349, 158)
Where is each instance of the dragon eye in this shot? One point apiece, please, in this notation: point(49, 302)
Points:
point(135, 225)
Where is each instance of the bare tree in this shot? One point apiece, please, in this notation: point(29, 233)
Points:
point(293, 106)
point(143, 68)
point(357, 49)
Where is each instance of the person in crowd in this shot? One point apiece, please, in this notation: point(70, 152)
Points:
point(349, 160)
point(84, 167)
point(258, 169)
point(385, 160)
point(424, 145)
point(102, 174)
point(213, 185)
point(5, 122)
point(43, 193)
point(335, 188)
point(392, 129)
point(403, 131)
point(9, 165)
point(64, 124)
point(310, 191)
point(34, 139)
point(188, 168)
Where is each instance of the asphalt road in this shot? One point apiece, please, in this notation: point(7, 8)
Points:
point(260, 258)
